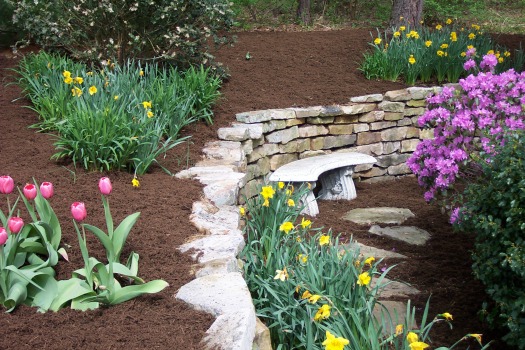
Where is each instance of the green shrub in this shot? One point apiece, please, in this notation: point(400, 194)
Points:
point(494, 208)
point(109, 29)
point(118, 117)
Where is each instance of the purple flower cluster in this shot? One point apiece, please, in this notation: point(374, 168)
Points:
point(467, 121)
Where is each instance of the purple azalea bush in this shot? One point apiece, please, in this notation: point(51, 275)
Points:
point(467, 121)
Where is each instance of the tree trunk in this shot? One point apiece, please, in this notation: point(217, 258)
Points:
point(303, 12)
point(406, 12)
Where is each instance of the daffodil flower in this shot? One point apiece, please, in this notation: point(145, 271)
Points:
point(370, 260)
point(135, 182)
point(306, 295)
point(476, 336)
point(418, 345)
point(281, 274)
point(280, 184)
point(76, 92)
point(242, 211)
point(324, 240)
point(286, 227)
point(305, 223)
point(334, 343)
point(447, 316)
point(322, 313)
point(267, 192)
point(291, 203)
point(92, 90)
point(314, 298)
point(399, 329)
point(364, 279)
point(146, 104)
point(412, 337)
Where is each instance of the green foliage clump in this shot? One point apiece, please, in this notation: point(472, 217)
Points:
point(119, 116)
point(176, 31)
point(429, 54)
point(494, 209)
point(315, 291)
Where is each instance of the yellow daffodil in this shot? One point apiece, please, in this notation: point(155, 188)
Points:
point(428, 43)
point(411, 59)
point(141, 73)
point(302, 258)
point(357, 263)
point(448, 21)
point(298, 239)
point(89, 73)
point(402, 28)
point(48, 64)
point(314, 298)
point(418, 345)
point(267, 192)
point(506, 54)
point(413, 34)
point(135, 182)
point(66, 74)
point(364, 279)
point(399, 329)
point(289, 190)
point(463, 54)
point(68, 80)
point(322, 313)
point(324, 240)
point(115, 97)
point(447, 316)
point(298, 288)
point(291, 203)
point(412, 337)
point(444, 46)
point(306, 295)
point(150, 114)
point(76, 92)
point(242, 211)
point(476, 336)
point(500, 59)
point(439, 26)
point(280, 184)
point(286, 227)
point(490, 52)
point(471, 36)
point(377, 41)
point(281, 274)
point(453, 36)
point(476, 27)
point(146, 104)
point(440, 53)
point(266, 203)
point(397, 34)
point(333, 343)
point(305, 223)
point(79, 80)
point(369, 261)
point(92, 90)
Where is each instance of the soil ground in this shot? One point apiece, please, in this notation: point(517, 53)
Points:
point(286, 69)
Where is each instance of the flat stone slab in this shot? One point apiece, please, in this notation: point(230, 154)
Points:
point(214, 247)
point(232, 331)
point(208, 218)
point(407, 234)
point(394, 289)
point(378, 253)
point(383, 215)
point(397, 311)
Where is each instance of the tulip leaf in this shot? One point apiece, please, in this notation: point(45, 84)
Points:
point(69, 290)
point(121, 233)
point(130, 292)
point(102, 236)
point(133, 263)
point(125, 271)
point(63, 253)
point(44, 298)
point(32, 247)
point(16, 295)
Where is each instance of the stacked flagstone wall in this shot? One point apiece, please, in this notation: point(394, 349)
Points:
point(381, 125)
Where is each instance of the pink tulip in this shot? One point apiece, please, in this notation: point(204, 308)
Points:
point(46, 188)
point(3, 235)
point(6, 184)
point(78, 210)
point(30, 191)
point(104, 185)
point(15, 224)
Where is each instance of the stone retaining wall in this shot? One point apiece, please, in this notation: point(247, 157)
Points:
point(381, 125)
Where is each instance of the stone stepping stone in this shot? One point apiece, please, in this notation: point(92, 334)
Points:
point(397, 311)
point(382, 215)
point(407, 234)
point(394, 289)
point(378, 253)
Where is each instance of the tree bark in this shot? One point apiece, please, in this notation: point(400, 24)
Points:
point(406, 12)
point(303, 12)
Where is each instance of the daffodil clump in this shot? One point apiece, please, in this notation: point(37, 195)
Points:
point(433, 53)
point(115, 116)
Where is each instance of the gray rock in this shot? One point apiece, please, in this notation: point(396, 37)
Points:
point(207, 248)
point(378, 253)
point(385, 215)
point(408, 234)
point(392, 312)
point(223, 192)
point(232, 331)
point(367, 98)
point(394, 289)
point(220, 266)
point(214, 220)
point(233, 134)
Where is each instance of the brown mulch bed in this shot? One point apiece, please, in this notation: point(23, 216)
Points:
point(286, 69)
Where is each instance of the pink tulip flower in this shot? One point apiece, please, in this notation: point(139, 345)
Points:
point(6, 184)
point(3, 235)
point(78, 210)
point(30, 191)
point(15, 224)
point(104, 185)
point(46, 188)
